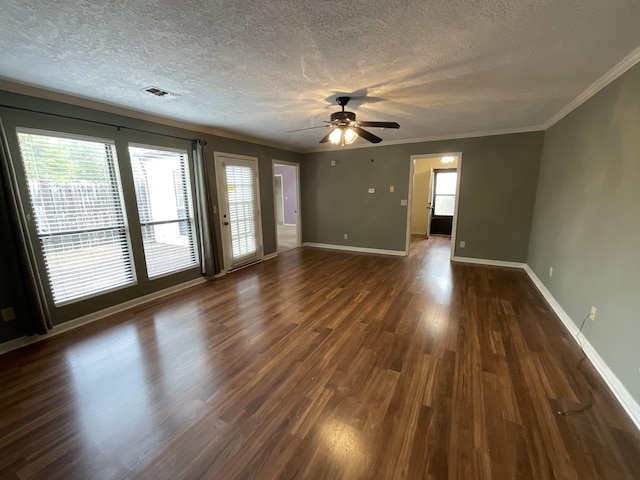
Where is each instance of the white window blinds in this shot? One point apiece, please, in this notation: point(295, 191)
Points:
point(164, 204)
point(79, 214)
point(242, 210)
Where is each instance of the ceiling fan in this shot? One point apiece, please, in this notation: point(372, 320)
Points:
point(346, 129)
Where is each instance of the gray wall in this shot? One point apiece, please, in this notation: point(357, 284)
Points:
point(497, 192)
point(587, 222)
point(11, 294)
point(13, 118)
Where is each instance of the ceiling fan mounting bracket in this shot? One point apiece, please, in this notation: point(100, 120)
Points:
point(342, 101)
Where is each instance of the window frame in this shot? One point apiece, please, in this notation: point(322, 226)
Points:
point(29, 212)
point(191, 219)
point(436, 171)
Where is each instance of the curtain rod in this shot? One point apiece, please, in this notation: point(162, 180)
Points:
point(119, 127)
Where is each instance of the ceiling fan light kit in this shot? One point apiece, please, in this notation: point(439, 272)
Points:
point(342, 136)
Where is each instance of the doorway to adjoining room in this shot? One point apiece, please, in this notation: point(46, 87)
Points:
point(286, 205)
point(434, 194)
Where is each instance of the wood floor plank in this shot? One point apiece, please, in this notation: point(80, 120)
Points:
point(319, 365)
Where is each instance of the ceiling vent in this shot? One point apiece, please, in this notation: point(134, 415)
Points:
point(159, 92)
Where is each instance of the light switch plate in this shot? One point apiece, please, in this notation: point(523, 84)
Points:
point(392, 189)
point(372, 190)
point(403, 202)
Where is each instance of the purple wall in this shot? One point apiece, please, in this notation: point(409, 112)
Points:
point(288, 191)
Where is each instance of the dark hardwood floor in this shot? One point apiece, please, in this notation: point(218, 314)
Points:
point(319, 365)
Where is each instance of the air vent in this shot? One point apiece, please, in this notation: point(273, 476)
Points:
point(158, 92)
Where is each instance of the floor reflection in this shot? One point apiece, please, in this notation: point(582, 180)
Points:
point(186, 370)
point(345, 445)
point(112, 393)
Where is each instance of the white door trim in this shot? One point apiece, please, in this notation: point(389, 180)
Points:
point(275, 162)
point(430, 201)
point(454, 229)
point(412, 167)
point(217, 157)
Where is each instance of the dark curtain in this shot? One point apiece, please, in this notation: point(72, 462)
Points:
point(208, 259)
point(37, 314)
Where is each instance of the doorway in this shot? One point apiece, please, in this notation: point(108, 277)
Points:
point(286, 197)
point(239, 204)
point(430, 212)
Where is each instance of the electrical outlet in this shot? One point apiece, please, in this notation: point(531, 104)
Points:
point(551, 271)
point(463, 244)
point(8, 314)
point(346, 236)
point(592, 313)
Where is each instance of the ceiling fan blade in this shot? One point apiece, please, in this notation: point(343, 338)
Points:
point(380, 124)
point(366, 135)
point(309, 128)
point(325, 139)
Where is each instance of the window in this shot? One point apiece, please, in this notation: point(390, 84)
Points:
point(79, 214)
point(162, 188)
point(241, 200)
point(445, 192)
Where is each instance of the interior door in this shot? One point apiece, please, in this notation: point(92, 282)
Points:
point(238, 200)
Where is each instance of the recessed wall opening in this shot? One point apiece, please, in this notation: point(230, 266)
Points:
point(286, 188)
point(433, 196)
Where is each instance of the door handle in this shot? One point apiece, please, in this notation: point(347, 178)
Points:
point(226, 223)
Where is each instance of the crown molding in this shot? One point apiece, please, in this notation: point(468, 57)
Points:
point(455, 136)
point(33, 91)
point(617, 71)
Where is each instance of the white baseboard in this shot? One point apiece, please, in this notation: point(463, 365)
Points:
point(349, 248)
point(92, 317)
point(270, 256)
point(488, 262)
point(613, 382)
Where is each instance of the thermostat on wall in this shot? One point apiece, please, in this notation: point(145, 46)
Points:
point(372, 190)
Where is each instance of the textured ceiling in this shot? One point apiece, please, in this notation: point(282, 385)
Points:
point(260, 69)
